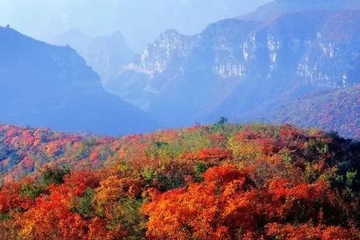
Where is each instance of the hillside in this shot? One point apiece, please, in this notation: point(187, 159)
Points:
point(25, 151)
point(220, 181)
point(49, 86)
point(241, 69)
point(335, 110)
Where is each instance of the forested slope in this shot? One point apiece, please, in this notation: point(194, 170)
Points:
point(334, 110)
point(205, 182)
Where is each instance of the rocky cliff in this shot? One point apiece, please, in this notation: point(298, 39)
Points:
point(240, 68)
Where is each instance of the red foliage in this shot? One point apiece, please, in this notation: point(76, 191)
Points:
point(251, 182)
point(208, 154)
point(209, 210)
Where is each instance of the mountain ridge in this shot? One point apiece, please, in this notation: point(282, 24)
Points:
point(276, 8)
point(49, 86)
point(238, 68)
point(104, 54)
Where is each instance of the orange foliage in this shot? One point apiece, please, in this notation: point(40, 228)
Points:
point(112, 189)
point(239, 182)
point(208, 210)
point(308, 231)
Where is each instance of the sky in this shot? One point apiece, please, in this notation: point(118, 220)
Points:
point(140, 21)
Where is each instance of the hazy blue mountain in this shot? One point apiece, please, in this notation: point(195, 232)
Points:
point(277, 8)
point(75, 39)
point(49, 86)
point(104, 54)
point(240, 69)
point(107, 54)
point(140, 21)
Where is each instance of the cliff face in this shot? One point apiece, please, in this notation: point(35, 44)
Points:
point(48, 86)
point(239, 68)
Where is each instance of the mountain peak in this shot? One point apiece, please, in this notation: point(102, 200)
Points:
point(168, 36)
point(118, 35)
point(170, 32)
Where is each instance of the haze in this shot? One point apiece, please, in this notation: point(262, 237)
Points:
point(141, 21)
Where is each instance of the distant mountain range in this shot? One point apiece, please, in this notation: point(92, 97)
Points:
point(277, 8)
point(49, 86)
point(140, 21)
point(288, 61)
point(245, 69)
point(105, 54)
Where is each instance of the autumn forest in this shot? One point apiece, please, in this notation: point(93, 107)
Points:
point(220, 181)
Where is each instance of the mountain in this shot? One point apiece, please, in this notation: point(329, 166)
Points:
point(277, 8)
point(49, 86)
point(241, 69)
point(104, 54)
point(75, 39)
point(303, 53)
point(334, 110)
point(107, 54)
point(140, 21)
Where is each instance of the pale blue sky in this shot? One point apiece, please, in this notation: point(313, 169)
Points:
point(141, 21)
